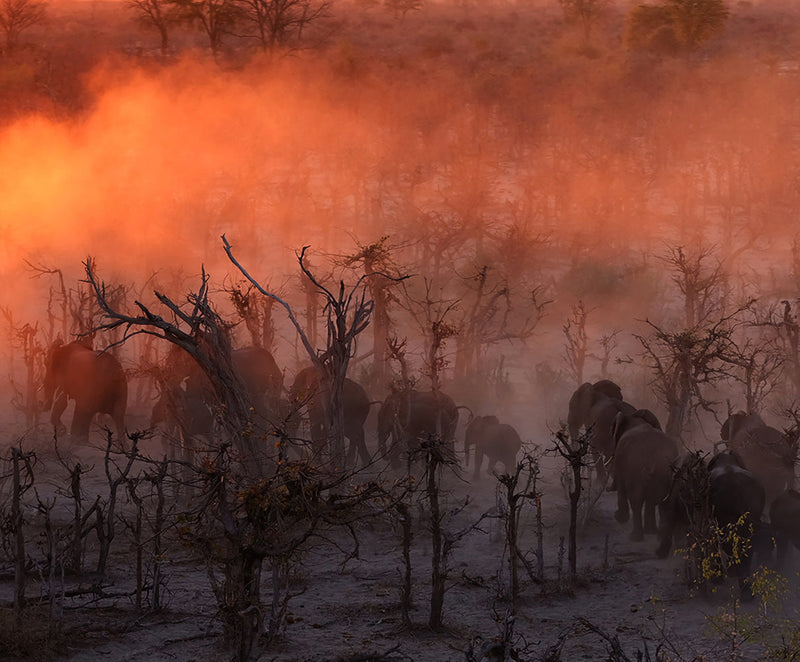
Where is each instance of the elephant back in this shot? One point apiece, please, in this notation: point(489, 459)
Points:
point(608, 388)
point(259, 371)
point(736, 492)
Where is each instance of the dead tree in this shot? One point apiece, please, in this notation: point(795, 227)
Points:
point(245, 527)
point(348, 313)
point(376, 262)
point(575, 454)
point(149, 527)
point(576, 348)
point(699, 284)
point(515, 499)
point(431, 316)
point(786, 333)
point(57, 304)
point(496, 314)
point(686, 362)
point(106, 513)
point(256, 313)
point(22, 481)
point(199, 331)
point(25, 338)
point(757, 365)
point(437, 457)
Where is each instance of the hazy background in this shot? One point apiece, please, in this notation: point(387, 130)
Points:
point(470, 135)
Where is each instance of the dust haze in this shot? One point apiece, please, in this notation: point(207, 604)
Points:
point(467, 139)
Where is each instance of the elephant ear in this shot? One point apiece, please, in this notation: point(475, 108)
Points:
point(579, 406)
point(608, 388)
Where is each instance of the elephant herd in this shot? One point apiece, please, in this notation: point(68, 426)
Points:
point(186, 404)
point(751, 478)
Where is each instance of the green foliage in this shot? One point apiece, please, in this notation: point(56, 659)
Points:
point(675, 24)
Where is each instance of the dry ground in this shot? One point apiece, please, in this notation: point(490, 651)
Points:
point(348, 608)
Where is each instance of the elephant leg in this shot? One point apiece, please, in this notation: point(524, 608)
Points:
point(650, 517)
point(637, 504)
point(355, 437)
point(609, 471)
point(358, 440)
point(59, 405)
point(622, 504)
point(665, 532)
point(81, 420)
point(478, 463)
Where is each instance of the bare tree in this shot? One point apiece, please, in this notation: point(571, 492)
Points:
point(585, 13)
point(16, 16)
point(215, 17)
point(576, 348)
point(376, 261)
point(198, 330)
point(757, 364)
point(495, 314)
point(786, 329)
point(401, 7)
point(575, 454)
point(159, 15)
point(277, 22)
point(699, 284)
point(256, 313)
point(348, 314)
point(684, 363)
point(431, 314)
point(679, 23)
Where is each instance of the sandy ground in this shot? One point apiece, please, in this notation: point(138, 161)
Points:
point(349, 610)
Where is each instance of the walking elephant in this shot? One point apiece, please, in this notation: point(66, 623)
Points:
point(187, 402)
point(499, 442)
point(764, 450)
point(94, 380)
point(411, 416)
point(355, 410)
point(643, 459)
point(724, 492)
point(784, 516)
point(595, 406)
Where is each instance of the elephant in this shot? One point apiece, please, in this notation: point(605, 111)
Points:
point(765, 451)
point(185, 407)
point(721, 489)
point(96, 382)
point(643, 457)
point(596, 406)
point(408, 416)
point(784, 516)
point(355, 405)
point(499, 442)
